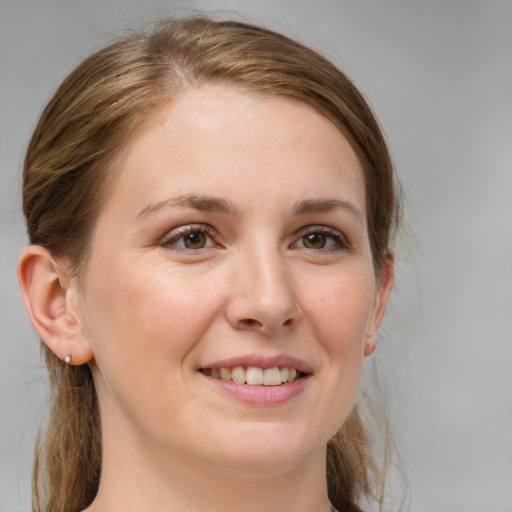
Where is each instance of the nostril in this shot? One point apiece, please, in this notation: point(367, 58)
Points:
point(251, 323)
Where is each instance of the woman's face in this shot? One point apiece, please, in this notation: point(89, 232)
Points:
point(235, 237)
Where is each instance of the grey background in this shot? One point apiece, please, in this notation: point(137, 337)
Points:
point(439, 75)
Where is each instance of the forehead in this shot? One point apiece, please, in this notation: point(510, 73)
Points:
point(229, 141)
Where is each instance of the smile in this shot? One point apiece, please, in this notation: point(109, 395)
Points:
point(254, 376)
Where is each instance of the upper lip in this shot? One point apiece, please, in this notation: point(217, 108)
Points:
point(262, 361)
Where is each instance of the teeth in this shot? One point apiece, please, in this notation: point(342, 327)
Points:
point(254, 376)
point(238, 374)
point(225, 374)
point(272, 376)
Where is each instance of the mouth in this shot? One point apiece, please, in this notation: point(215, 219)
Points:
point(254, 375)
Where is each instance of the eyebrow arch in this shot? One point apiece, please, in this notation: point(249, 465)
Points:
point(219, 205)
point(197, 202)
point(324, 205)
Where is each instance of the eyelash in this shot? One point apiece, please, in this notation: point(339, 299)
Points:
point(181, 232)
point(340, 240)
point(330, 233)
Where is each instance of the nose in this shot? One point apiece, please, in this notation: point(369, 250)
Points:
point(263, 295)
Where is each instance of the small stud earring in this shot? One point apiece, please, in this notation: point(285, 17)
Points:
point(67, 359)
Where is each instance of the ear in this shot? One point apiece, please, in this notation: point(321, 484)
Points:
point(52, 301)
point(384, 284)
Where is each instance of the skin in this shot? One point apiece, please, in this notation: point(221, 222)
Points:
point(149, 313)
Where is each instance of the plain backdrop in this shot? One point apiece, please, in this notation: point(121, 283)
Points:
point(439, 76)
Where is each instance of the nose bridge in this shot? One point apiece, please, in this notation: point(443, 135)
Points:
point(270, 283)
point(264, 296)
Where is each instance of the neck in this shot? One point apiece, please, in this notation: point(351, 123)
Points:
point(135, 481)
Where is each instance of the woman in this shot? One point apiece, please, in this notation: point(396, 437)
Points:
point(209, 206)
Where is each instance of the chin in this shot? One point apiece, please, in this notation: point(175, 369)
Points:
point(267, 449)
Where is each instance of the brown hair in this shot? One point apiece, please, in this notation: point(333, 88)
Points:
point(71, 159)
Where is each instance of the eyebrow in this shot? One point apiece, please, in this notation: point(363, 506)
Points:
point(201, 203)
point(325, 205)
point(219, 205)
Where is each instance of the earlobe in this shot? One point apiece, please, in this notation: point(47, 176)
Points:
point(384, 286)
point(49, 295)
point(369, 346)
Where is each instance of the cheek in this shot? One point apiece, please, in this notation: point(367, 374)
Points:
point(138, 297)
point(146, 323)
point(341, 311)
point(147, 317)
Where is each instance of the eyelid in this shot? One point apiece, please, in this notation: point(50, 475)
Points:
point(175, 234)
point(338, 236)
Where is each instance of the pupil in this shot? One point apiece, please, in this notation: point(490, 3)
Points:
point(314, 240)
point(195, 240)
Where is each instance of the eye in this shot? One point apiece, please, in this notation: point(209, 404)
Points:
point(193, 237)
point(314, 240)
point(321, 238)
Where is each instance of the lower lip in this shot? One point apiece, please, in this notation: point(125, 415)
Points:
point(260, 395)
